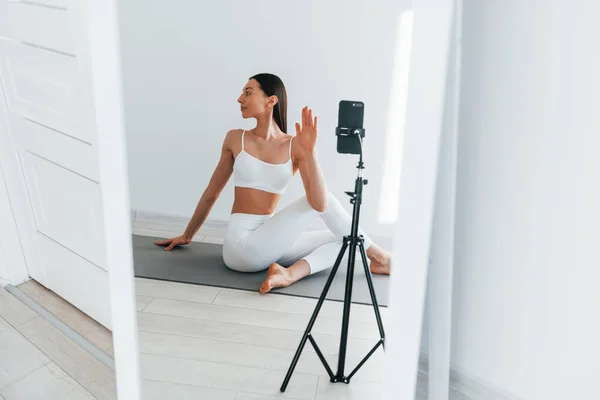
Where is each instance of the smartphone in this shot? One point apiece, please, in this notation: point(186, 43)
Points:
point(350, 123)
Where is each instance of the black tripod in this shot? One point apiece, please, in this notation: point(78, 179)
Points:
point(351, 241)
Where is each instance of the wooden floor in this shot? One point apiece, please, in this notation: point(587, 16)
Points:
point(196, 342)
point(39, 362)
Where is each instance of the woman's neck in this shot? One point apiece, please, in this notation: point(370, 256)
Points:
point(266, 129)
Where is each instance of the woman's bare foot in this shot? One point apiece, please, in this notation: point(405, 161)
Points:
point(381, 268)
point(381, 260)
point(277, 276)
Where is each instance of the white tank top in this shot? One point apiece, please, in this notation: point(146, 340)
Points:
point(251, 172)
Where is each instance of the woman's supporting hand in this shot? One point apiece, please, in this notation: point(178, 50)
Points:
point(307, 133)
point(176, 241)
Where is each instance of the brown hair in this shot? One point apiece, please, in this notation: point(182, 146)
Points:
point(271, 85)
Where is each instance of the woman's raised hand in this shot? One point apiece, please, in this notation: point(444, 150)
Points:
point(176, 241)
point(307, 133)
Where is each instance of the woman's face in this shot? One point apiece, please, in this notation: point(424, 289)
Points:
point(253, 101)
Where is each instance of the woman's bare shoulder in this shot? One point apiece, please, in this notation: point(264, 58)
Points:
point(233, 142)
point(234, 133)
point(232, 136)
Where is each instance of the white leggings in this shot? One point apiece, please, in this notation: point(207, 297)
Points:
point(253, 242)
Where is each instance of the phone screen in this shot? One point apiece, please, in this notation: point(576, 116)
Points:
point(351, 114)
point(350, 117)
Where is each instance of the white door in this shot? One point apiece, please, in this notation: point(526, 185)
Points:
point(48, 149)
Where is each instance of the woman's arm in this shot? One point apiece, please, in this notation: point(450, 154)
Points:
point(215, 186)
point(306, 159)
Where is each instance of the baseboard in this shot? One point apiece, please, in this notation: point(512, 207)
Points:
point(473, 387)
point(152, 220)
point(477, 388)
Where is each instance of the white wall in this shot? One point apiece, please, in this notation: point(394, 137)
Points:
point(527, 303)
point(184, 68)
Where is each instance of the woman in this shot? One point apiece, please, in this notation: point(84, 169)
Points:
point(263, 160)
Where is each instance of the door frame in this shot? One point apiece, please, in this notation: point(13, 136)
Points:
point(425, 213)
point(105, 66)
point(13, 267)
point(17, 236)
point(441, 273)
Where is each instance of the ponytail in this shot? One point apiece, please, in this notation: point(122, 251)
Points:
point(280, 117)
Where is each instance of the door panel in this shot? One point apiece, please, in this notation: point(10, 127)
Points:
point(73, 276)
point(44, 87)
point(73, 155)
point(67, 207)
point(46, 27)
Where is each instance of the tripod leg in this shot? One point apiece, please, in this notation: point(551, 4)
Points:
point(314, 317)
point(372, 290)
point(346, 312)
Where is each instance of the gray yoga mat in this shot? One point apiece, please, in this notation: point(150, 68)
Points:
point(202, 263)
